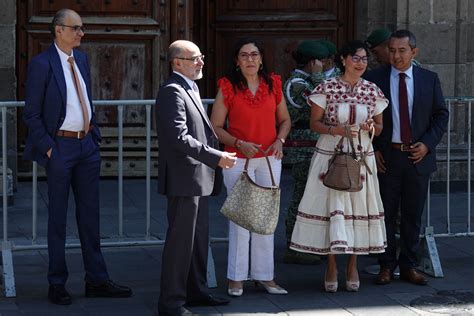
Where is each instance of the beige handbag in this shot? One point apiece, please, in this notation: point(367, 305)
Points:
point(344, 167)
point(252, 206)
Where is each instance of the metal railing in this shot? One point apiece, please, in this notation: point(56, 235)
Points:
point(147, 240)
point(465, 104)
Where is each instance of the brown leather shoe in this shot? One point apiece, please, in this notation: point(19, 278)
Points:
point(413, 276)
point(385, 276)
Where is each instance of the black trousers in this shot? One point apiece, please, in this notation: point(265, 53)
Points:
point(402, 188)
point(184, 263)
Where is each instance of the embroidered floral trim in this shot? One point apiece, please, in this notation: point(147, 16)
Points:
point(338, 212)
point(374, 249)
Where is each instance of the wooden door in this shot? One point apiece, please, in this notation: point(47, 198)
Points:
point(278, 24)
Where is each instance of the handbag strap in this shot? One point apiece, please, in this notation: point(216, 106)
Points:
point(351, 141)
point(363, 154)
point(268, 163)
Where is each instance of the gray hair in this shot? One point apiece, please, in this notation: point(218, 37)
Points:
point(174, 51)
point(58, 19)
point(405, 34)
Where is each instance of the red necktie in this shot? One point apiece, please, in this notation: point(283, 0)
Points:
point(77, 85)
point(405, 130)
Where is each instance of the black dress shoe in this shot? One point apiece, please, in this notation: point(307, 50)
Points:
point(208, 300)
point(180, 311)
point(57, 294)
point(107, 289)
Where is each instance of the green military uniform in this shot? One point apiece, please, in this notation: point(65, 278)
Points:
point(301, 140)
point(299, 147)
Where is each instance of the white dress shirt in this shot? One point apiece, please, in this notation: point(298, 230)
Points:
point(394, 83)
point(74, 120)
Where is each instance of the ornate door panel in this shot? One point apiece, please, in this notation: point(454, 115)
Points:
point(278, 25)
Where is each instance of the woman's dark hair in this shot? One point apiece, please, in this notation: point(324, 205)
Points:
point(349, 49)
point(235, 75)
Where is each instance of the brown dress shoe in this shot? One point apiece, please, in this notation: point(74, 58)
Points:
point(413, 276)
point(385, 276)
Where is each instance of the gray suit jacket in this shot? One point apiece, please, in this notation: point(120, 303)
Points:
point(188, 145)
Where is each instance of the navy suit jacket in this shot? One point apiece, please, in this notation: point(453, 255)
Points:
point(45, 102)
point(429, 116)
point(188, 154)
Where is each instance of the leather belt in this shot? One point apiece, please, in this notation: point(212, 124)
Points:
point(401, 147)
point(71, 134)
point(300, 143)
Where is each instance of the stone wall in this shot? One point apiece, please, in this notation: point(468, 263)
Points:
point(8, 74)
point(444, 31)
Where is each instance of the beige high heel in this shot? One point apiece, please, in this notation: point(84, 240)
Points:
point(352, 286)
point(235, 291)
point(278, 290)
point(330, 287)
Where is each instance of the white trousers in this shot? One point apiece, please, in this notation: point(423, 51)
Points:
point(242, 242)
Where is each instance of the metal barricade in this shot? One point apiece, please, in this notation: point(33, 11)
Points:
point(429, 259)
point(8, 245)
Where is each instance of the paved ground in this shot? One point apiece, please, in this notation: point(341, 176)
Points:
point(139, 267)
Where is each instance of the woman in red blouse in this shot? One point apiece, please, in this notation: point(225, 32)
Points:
point(251, 101)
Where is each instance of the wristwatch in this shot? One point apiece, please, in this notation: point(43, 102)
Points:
point(282, 140)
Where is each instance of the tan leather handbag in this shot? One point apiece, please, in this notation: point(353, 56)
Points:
point(251, 206)
point(344, 167)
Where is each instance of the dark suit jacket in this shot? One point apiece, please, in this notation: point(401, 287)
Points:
point(429, 117)
point(45, 102)
point(188, 154)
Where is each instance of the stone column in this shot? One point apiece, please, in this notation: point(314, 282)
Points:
point(8, 75)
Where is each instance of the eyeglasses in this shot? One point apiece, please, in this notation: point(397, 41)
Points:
point(194, 59)
point(246, 56)
point(357, 59)
point(76, 28)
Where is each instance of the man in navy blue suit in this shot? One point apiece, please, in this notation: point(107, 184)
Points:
point(64, 138)
point(413, 125)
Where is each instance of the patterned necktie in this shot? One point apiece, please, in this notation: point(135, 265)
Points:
point(77, 85)
point(405, 130)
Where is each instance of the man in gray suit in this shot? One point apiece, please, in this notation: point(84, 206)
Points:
point(188, 160)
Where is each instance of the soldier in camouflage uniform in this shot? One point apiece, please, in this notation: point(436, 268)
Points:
point(299, 146)
point(329, 67)
point(377, 42)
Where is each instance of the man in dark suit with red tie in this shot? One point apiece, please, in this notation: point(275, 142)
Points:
point(413, 125)
point(64, 138)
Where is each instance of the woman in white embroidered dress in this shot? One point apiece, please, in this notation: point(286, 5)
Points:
point(331, 222)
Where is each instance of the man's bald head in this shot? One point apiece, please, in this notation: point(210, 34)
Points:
point(186, 58)
point(177, 48)
point(59, 18)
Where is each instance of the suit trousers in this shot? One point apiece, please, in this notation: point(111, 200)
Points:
point(247, 248)
point(184, 262)
point(401, 187)
point(74, 163)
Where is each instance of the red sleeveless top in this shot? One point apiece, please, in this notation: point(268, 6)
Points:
point(252, 118)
